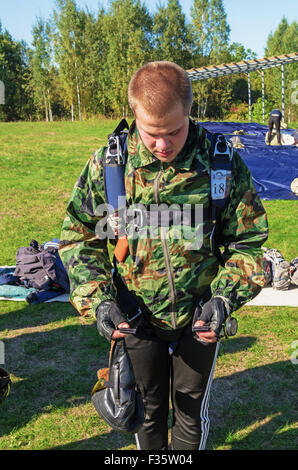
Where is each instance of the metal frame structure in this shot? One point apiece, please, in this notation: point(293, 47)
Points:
point(247, 66)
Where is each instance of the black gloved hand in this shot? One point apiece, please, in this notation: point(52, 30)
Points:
point(214, 313)
point(108, 317)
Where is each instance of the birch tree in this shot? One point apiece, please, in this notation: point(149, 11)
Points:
point(128, 32)
point(171, 34)
point(95, 80)
point(283, 41)
point(41, 65)
point(69, 52)
point(211, 37)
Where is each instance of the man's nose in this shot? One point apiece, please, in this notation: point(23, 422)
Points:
point(162, 143)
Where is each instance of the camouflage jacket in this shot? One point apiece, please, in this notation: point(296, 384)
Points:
point(168, 273)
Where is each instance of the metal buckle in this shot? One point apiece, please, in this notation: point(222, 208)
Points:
point(135, 216)
point(228, 150)
point(118, 157)
point(139, 312)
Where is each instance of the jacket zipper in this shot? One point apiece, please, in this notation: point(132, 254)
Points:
point(166, 253)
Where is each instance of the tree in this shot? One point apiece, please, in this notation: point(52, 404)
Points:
point(283, 41)
point(69, 51)
point(95, 80)
point(210, 28)
point(13, 70)
point(128, 33)
point(41, 67)
point(211, 36)
point(172, 39)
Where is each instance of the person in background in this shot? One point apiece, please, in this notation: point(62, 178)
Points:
point(274, 119)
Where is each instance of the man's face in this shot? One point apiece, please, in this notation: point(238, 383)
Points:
point(163, 136)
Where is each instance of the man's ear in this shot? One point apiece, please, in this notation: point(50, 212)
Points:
point(132, 110)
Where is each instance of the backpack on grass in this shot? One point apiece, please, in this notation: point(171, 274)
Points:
point(40, 267)
point(294, 271)
point(276, 269)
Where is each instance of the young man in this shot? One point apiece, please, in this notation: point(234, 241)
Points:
point(168, 165)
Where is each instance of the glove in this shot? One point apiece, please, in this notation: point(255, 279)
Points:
point(215, 312)
point(108, 317)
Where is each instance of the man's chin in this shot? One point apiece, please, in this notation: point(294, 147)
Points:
point(165, 157)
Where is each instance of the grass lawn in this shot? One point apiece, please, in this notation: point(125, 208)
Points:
point(53, 354)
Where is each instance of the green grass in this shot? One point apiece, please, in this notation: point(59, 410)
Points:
point(53, 354)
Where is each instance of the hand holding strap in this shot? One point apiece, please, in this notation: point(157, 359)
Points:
point(214, 313)
point(108, 317)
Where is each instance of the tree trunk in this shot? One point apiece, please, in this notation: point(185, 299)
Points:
point(50, 108)
point(46, 108)
point(205, 107)
point(79, 101)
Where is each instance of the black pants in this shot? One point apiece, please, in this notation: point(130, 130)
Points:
point(274, 120)
point(185, 375)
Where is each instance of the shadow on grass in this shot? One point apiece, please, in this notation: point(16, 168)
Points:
point(236, 344)
point(255, 409)
point(110, 441)
point(30, 316)
point(52, 368)
point(250, 409)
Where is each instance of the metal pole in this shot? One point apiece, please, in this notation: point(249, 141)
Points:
point(249, 96)
point(283, 90)
point(263, 95)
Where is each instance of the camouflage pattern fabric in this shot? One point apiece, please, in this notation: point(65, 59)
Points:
point(168, 273)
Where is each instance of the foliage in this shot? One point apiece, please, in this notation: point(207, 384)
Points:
point(41, 81)
point(238, 112)
point(80, 62)
point(210, 28)
point(283, 41)
point(13, 71)
point(172, 36)
point(257, 110)
point(127, 50)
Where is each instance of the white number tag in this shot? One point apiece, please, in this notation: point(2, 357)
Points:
point(219, 183)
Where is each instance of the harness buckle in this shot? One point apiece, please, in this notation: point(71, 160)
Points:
point(114, 153)
point(139, 312)
point(223, 148)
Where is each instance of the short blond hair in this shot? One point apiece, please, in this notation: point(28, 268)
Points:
point(158, 87)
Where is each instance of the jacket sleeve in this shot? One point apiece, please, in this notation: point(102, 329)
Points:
point(85, 255)
point(244, 229)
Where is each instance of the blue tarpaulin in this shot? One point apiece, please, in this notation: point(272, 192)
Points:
point(273, 168)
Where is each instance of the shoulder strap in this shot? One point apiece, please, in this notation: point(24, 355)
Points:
point(220, 155)
point(114, 162)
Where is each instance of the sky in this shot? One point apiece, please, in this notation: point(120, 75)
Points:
point(251, 21)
